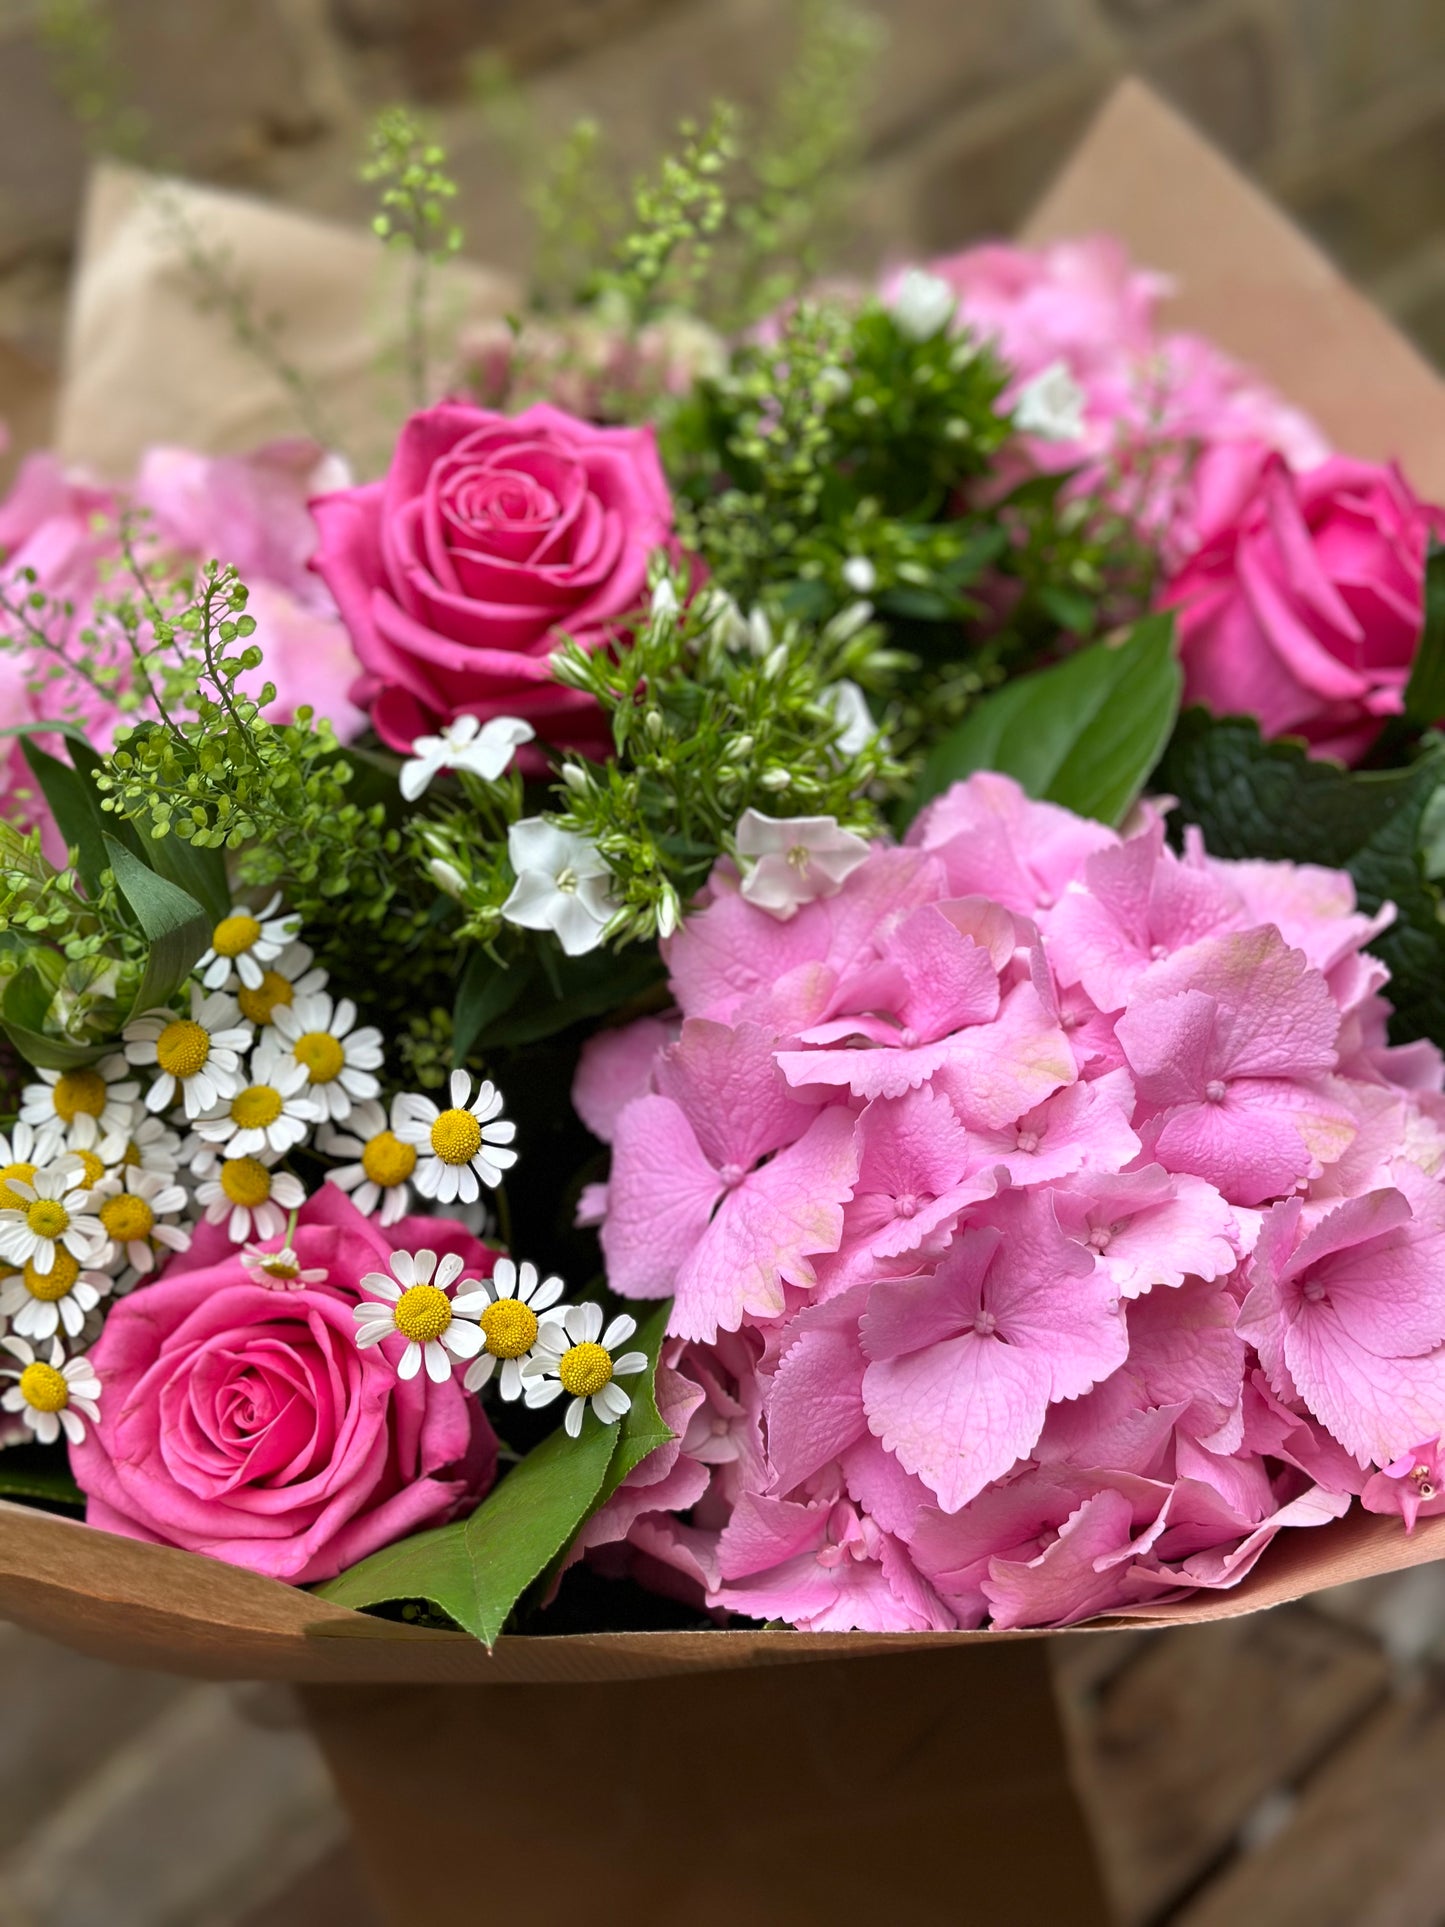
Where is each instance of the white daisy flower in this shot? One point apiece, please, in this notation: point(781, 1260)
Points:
point(290, 977)
point(575, 1355)
point(19, 1158)
point(76, 1108)
point(485, 749)
point(131, 1205)
point(197, 1057)
point(458, 1145)
point(149, 1145)
point(244, 943)
point(54, 1395)
point(52, 1215)
point(414, 1302)
point(281, 1270)
point(273, 1112)
point(317, 1033)
point(40, 1304)
point(382, 1165)
point(246, 1195)
point(512, 1323)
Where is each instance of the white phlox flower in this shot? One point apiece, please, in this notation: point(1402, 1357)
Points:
point(563, 884)
point(521, 1307)
point(573, 1354)
point(483, 749)
point(1051, 405)
point(789, 861)
point(922, 305)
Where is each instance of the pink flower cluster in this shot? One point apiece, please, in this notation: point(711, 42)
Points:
point(1151, 395)
point(1049, 1220)
point(247, 511)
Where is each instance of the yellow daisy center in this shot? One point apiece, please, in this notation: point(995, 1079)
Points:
point(511, 1328)
point(246, 1181)
point(584, 1369)
point(183, 1047)
point(47, 1218)
point(127, 1217)
point(91, 1167)
point(323, 1057)
point(51, 1286)
point(43, 1389)
point(423, 1313)
point(78, 1093)
point(281, 1264)
point(271, 994)
point(12, 1200)
point(456, 1137)
point(386, 1160)
point(233, 935)
point(256, 1107)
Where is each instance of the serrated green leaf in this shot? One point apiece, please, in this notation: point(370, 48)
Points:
point(476, 1571)
point(1272, 800)
point(174, 924)
point(1425, 691)
point(1084, 733)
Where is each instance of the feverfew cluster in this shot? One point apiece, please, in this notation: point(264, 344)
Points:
point(1048, 1219)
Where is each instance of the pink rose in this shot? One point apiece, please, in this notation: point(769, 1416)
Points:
point(488, 539)
point(243, 1422)
point(1303, 604)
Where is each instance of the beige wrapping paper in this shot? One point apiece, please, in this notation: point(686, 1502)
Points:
point(148, 359)
point(145, 366)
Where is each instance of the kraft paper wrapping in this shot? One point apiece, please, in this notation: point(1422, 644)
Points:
point(148, 360)
point(144, 365)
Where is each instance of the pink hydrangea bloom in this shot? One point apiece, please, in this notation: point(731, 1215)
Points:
point(1049, 1228)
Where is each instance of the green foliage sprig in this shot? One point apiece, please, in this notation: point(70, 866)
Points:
point(414, 216)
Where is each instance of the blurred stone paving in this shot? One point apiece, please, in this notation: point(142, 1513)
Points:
point(1280, 1770)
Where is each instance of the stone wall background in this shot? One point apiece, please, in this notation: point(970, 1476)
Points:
point(1338, 106)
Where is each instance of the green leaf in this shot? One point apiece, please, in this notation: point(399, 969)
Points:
point(585, 987)
point(1425, 691)
point(200, 873)
point(23, 1012)
point(175, 925)
point(38, 1472)
point(1084, 733)
point(485, 994)
point(476, 1571)
point(75, 804)
point(1272, 800)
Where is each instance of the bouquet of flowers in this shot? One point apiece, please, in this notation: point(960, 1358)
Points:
point(791, 974)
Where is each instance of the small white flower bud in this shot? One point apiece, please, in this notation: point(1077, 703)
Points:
point(576, 779)
point(860, 574)
point(775, 779)
point(447, 877)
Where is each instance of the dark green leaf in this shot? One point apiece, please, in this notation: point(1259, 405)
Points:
point(1272, 800)
point(23, 1012)
point(1425, 692)
point(476, 1571)
point(584, 987)
point(75, 804)
point(39, 1472)
point(1084, 733)
point(175, 925)
point(486, 993)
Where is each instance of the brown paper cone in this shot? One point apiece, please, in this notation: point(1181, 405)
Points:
point(1250, 281)
point(929, 1788)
